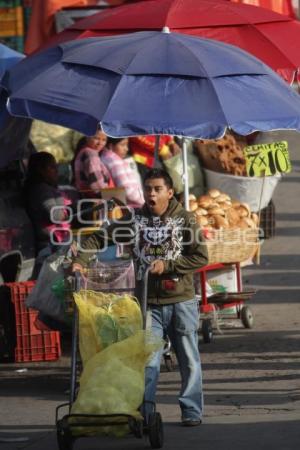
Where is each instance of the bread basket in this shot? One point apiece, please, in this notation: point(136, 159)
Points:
point(230, 246)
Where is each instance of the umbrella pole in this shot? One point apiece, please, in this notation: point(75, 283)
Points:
point(156, 151)
point(185, 175)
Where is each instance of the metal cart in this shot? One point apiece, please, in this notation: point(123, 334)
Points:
point(66, 425)
point(213, 308)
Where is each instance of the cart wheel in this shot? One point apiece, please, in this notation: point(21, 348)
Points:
point(155, 429)
point(64, 439)
point(207, 331)
point(247, 317)
point(168, 362)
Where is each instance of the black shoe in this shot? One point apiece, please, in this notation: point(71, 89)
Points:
point(191, 422)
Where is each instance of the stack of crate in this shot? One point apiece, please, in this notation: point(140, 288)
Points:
point(14, 20)
point(20, 339)
point(12, 24)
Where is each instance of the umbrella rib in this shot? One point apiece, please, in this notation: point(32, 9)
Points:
point(220, 103)
point(192, 53)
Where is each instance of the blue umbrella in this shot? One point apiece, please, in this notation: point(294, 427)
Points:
point(152, 83)
point(14, 132)
point(8, 58)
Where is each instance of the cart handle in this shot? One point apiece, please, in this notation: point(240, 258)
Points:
point(78, 278)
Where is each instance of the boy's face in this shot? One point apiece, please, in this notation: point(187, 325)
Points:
point(157, 195)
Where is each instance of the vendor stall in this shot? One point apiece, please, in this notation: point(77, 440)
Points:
point(194, 84)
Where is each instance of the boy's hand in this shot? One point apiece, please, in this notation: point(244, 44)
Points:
point(77, 268)
point(157, 267)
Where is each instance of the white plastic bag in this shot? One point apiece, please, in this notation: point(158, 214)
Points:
point(42, 296)
point(174, 167)
point(244, 189)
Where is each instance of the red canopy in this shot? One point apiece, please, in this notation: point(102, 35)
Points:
point(280, 6)
point(42, 19)
point(271, 37)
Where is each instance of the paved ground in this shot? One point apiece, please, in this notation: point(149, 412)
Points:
point(251, 377)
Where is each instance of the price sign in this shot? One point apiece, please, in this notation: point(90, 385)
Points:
point(267, 159)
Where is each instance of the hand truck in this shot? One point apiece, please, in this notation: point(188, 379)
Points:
point(150, 426)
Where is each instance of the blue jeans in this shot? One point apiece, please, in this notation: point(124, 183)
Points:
point(180, 321)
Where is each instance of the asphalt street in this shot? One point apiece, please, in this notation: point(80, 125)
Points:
point(251, 377)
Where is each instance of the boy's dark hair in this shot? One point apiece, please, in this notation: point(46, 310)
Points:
point(37, 163)
point(159, 173)
point(114, 141)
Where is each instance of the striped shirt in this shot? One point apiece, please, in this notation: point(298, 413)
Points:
point(125, 176)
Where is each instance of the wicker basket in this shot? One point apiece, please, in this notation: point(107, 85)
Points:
point(229, 246)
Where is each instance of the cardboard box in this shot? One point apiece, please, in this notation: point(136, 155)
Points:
point(223, 280)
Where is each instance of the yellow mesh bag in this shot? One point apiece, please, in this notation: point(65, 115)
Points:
point(113, 380)
point(115, 351)
point(105, 319)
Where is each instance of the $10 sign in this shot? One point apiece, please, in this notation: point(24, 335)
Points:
point(267, 159)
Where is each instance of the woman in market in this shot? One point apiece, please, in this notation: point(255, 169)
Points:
point(90, 174)
point(45, 205)
point(122, 172)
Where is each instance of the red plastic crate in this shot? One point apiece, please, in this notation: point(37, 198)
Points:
point(32, 344)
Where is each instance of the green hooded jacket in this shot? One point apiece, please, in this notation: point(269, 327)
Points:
point(174, 237)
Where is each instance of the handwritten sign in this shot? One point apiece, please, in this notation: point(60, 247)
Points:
point(267, 159)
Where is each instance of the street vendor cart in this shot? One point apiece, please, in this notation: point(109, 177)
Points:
point(228, 304)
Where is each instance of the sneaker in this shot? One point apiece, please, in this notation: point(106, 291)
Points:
point(191, 422)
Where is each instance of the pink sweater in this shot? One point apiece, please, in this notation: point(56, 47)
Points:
point(90, 172)
point(124, 176)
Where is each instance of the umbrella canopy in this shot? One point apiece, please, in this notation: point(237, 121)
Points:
point(14, 132)
point(271, 37)
point(152, 83)
point(8, 58)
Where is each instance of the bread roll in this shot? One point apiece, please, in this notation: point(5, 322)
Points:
point(205, 204)
point(214, 193)
point(254, 217)
point(204, 198)
point(193, 206)
point(202, 221)
point(235, 204)
point(211, 220)
point(223, 198)
point(192, 198)
point(232, 217)
point(242, 224)
point(201, 212)
point(221, 222)
point(250, 222)
point(244, 210)
point(247, 207)
point(213, 205)
point(216, 211)
point(225, 205)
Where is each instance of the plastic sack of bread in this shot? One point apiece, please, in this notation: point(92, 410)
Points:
point(113, 380)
